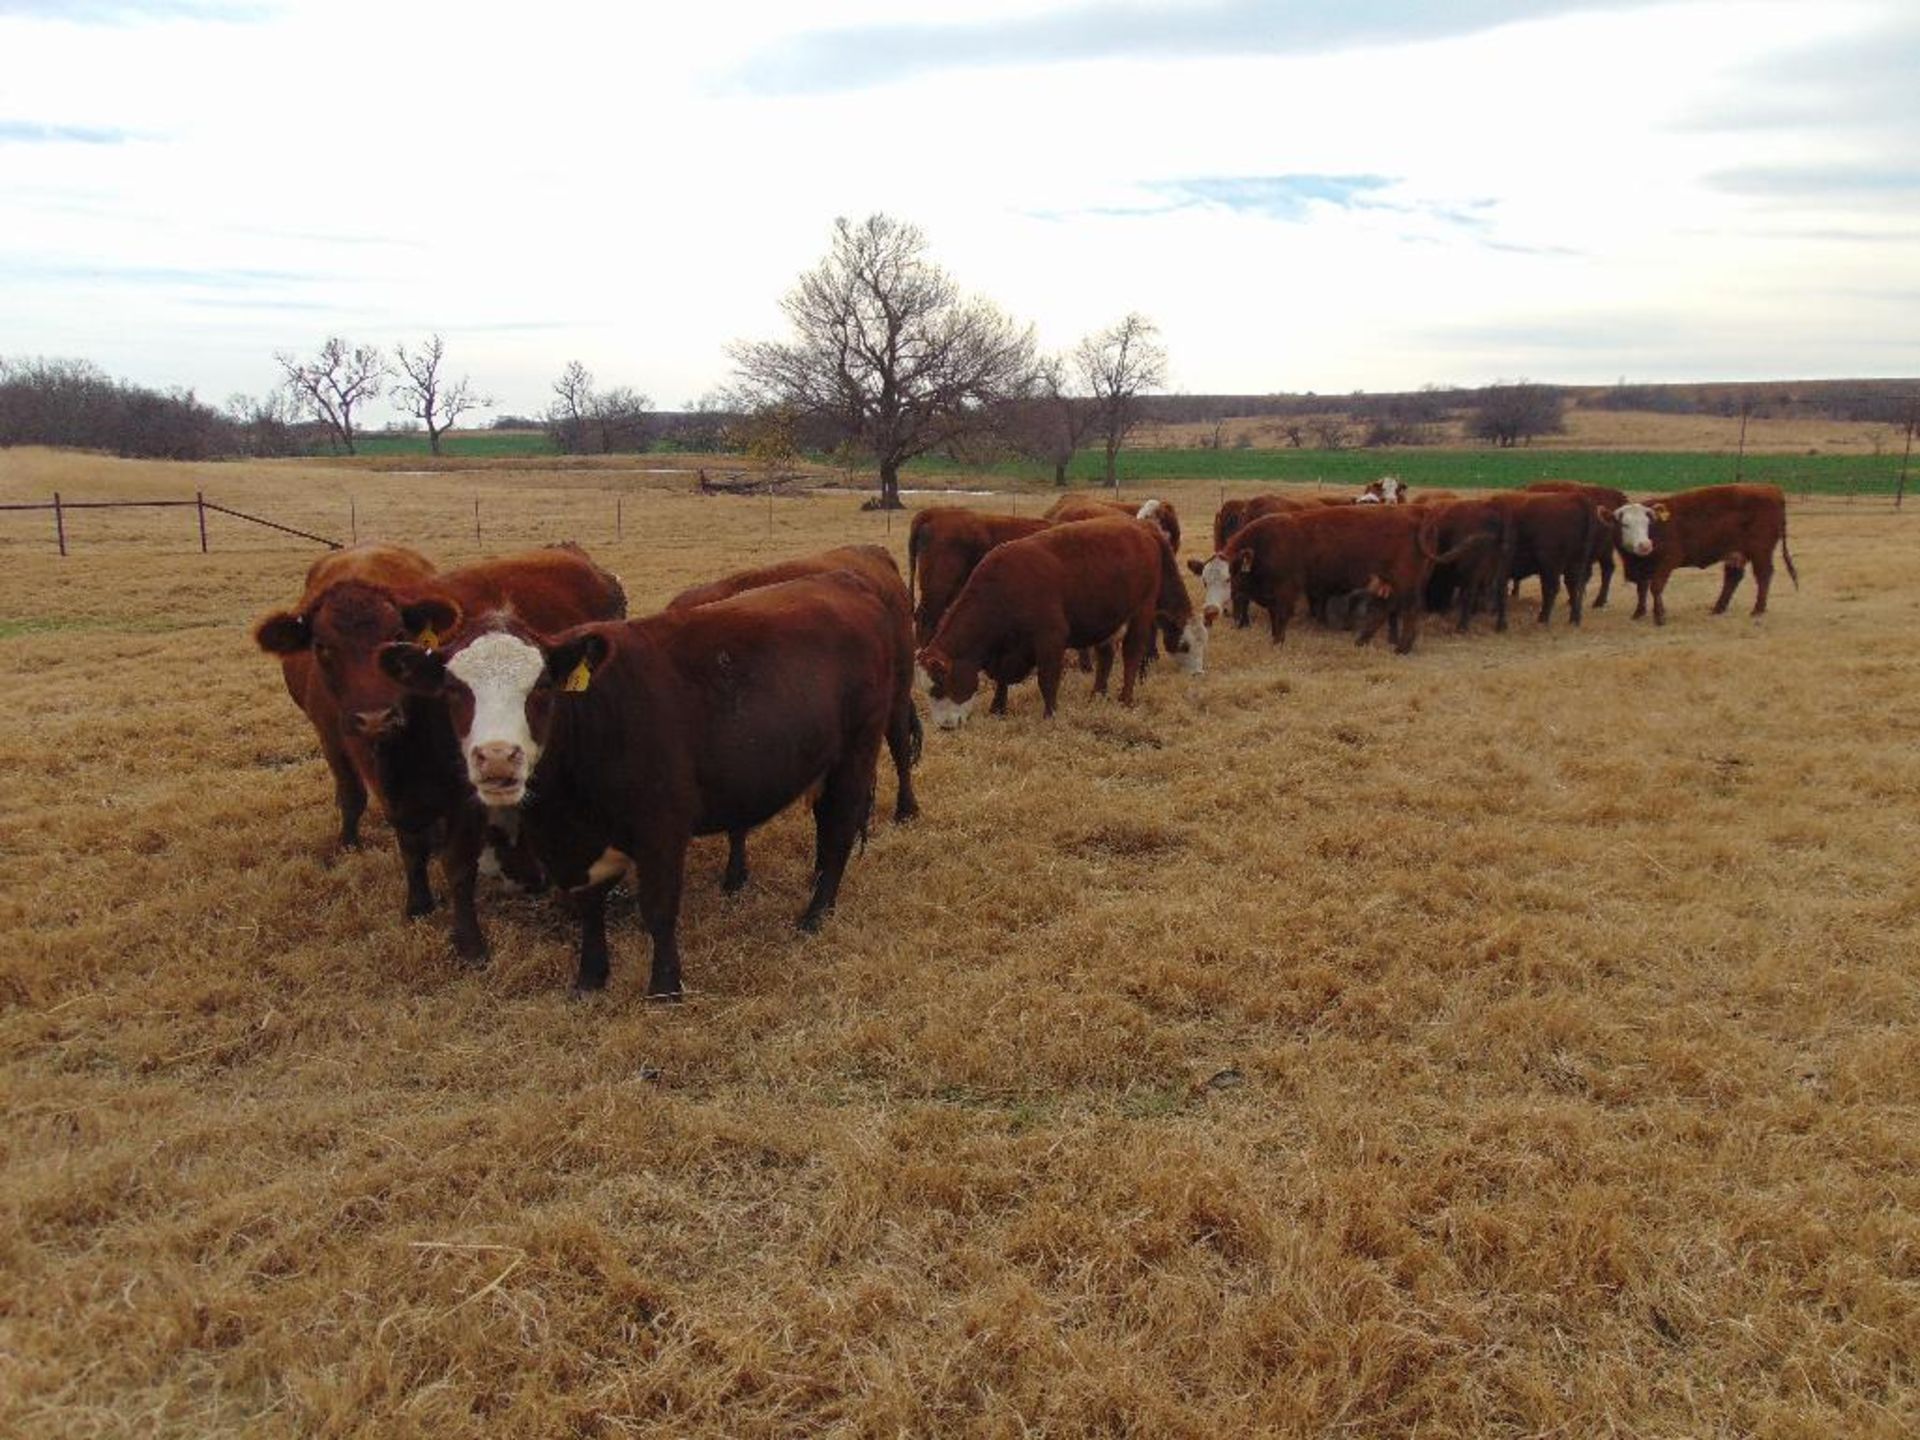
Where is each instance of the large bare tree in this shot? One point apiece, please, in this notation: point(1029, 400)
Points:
point(885, 348)
point(1117, 366)
point(334, 383)
point(420, 390)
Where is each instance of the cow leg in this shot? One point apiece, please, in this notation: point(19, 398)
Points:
point(1576, 581)
point(1103, 666)
point(416, 847)
point(1133, 653)
point(590, 904)
point(999, 706)
point(467, 837)
point(838, 815)
point(657, 877)
point(1729, 582)
point(1606, 578)
point(1500, 597)
point(1640, 610)
point(349, 795)
point(1659, 587)
point(736, 875)
point(1762, 581)
point(1048, 668)
point(900, 745)
point(1377, 612)
point(1086, 661)
point(1409, 617)
point(1549, 592)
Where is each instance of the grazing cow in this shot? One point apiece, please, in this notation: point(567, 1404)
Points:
point(1387, 490)
point(1070, 586)
point(413, 766)
point(621, 741)
point(1603, 535)
point(1086, 507)
point(1729, 525)
point(1388, 553)
point(903, 730)
point(314, 681)
point(1553, 537)
point(1473, 578)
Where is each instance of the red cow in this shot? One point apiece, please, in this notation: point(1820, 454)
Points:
point(348, 751)
point(619, 742)
point(1473, 579)
point(1233, 514)
point(1602, 535)
point(1729, 525)
point(1553, 537)
point(1086, 507)
point(1070, 586)
point(943, 545)
point(1385, 552)
point(903, 730)
point(413, 767)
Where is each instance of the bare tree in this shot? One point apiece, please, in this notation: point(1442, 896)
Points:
point(1510, 414)
point(1047, 421)
point(1116, 366)
point(333, 384)
point(572, 405)
point(620, 419)
point(1330, 432)
point(421, 391)
point(886, 350)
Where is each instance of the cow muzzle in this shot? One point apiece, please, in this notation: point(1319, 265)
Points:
point(373, 724)
point(950, 716)
point(499, 771)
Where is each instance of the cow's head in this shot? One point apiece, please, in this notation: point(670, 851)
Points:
point(952, 686)
point(1216, 586)
point(343, 630)
point(501, 688)
point(1638, 525)
point(1161, 513)
point(1387, 490)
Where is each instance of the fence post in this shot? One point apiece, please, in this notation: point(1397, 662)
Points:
point(618, 531)
point(353, 520)
point(59, 523)
point(476, 521)
point(200, 508)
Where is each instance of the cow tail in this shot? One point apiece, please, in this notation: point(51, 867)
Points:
point(1785, 553)
point(913, 560)
point(1428, 536)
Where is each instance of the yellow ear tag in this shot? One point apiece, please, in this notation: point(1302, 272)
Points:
point(428, 637)
point(577, 681)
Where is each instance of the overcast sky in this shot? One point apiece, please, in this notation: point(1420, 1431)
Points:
point(1373, 194)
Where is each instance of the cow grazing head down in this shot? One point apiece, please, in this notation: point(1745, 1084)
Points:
point(344, 630)
point(951, 688)
point(501, 690)
point(1636, 524)
point(1216, 587)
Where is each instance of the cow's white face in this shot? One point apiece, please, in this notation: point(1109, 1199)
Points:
point(1636, 528)
point(1148, 511)
point(1216, 587)
point(1390, 488)
point(951, 715)
point(499, 671)
point(1191, 657)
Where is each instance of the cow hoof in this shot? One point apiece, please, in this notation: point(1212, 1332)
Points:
point(811, 922)
point(901, 817)
point(733, 884)
point(665, 997)
point(578, 994)
point(416, 907)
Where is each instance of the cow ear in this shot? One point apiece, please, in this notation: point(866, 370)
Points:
point(571, 663)
point(1605, 514)
point(1662, 513)
point(1244, 562)
point(1198, 567)
point(414, 668)
point(430, 619)
point(283, 633)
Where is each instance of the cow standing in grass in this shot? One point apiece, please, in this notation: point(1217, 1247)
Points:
point(1732, 526)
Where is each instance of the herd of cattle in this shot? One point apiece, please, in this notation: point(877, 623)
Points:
point(508, 714)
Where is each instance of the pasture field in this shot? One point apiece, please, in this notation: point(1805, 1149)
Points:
point(1519, 1037)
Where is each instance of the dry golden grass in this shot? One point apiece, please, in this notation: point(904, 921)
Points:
point(1519, 1037)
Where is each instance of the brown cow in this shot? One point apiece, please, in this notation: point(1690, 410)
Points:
point(1603, 535)
point(348, 751)
point(619, 742)
point(1233, 514)
point(1087, 507)
point(1553, 537)
point(1729, 525)
point(414, 768)
point(943, 545)
point(1385, 552)
point(1474, 578)
point(903, 730)
point(1069, 586)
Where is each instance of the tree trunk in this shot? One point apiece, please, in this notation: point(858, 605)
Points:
point(1060, 474)
point(433, 438)
point(1113, 469)
point(890, 485)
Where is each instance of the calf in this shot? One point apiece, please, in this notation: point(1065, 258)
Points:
point(1602, 535)
point(413, 765)
point(903, 729)
point(619, 742)
point(1728, 525)
point(1067, 587)
point(1387, 553)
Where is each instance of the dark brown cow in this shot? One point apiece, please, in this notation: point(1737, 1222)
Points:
point(1070, 586)
point(903, 731)
point(414, 768)
point(1473, 578)
point(1087, 507)
point(943, 545)
point(1603, 535)
point(620, 742)
point(1387, 552)
point(1553, 537)
point(1728, 525)
point(348, 751)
